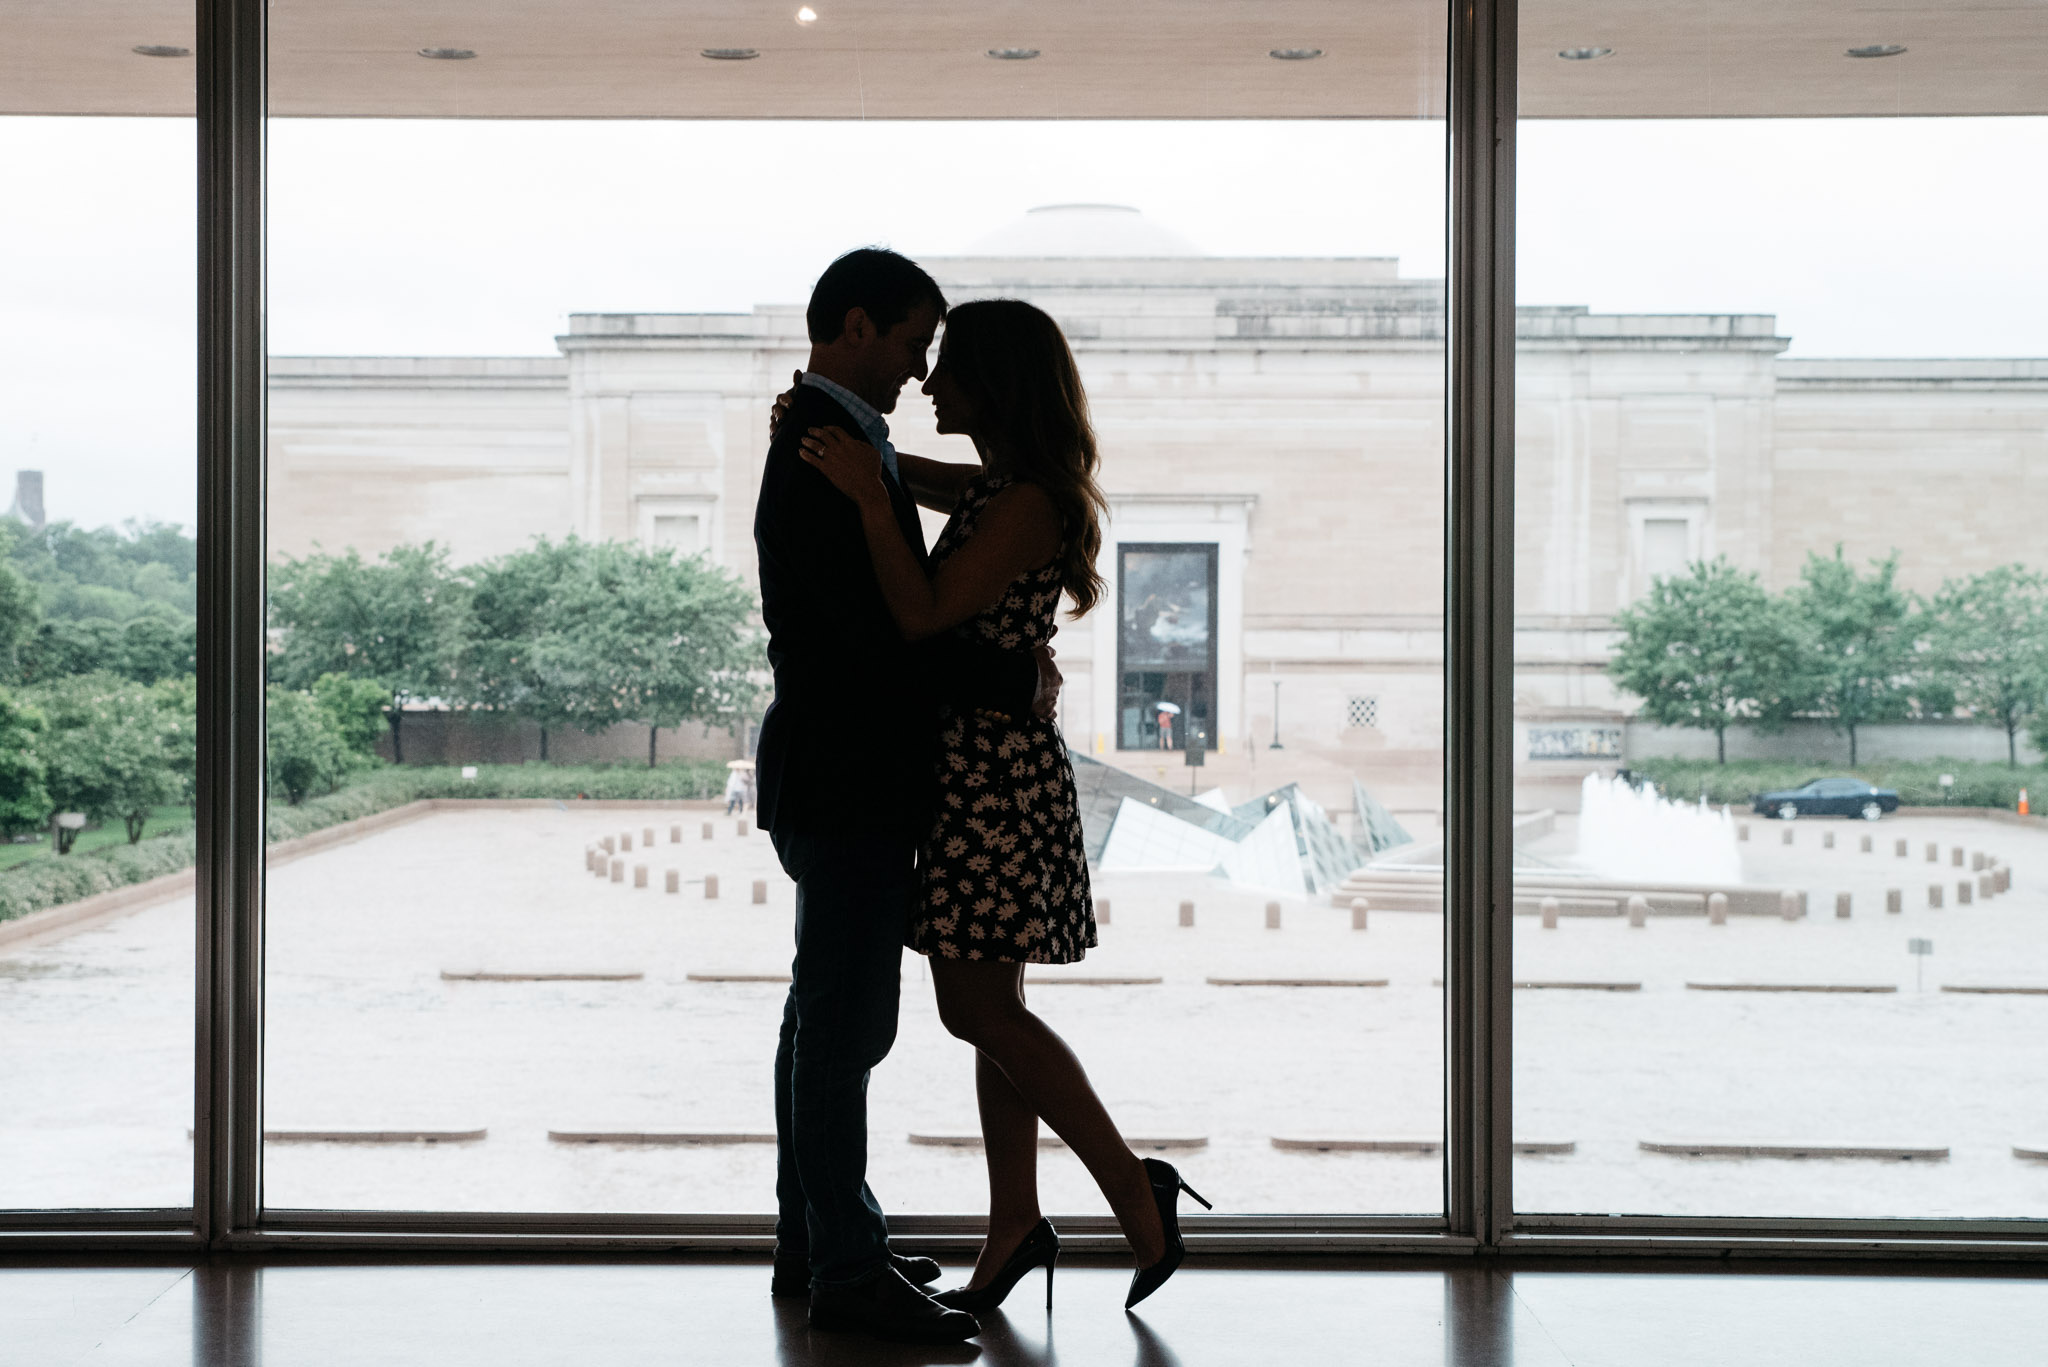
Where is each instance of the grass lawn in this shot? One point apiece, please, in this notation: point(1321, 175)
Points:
point(162, 821)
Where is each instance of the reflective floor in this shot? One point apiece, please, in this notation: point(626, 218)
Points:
point(289, 1314)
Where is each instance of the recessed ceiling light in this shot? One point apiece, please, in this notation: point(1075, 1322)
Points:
point(447, 54)
point(731, 54)
point(1586, 54)
point(807, 15)
point(161, 50)
point(1013, 54)
point(1877, 50)
point(1295, 54)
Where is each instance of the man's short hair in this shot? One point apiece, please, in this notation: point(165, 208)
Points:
point(886, 284)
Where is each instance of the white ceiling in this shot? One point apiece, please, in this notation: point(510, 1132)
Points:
point(1100, 58)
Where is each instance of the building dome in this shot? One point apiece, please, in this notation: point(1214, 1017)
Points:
point(1084, 230)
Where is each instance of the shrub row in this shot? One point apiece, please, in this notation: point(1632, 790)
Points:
point(52, 882)
point(1918, 782)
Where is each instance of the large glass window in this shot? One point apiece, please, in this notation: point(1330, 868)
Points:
point(1780, 420)
point(524, 951)
point(1166, 646)
point(97, 612)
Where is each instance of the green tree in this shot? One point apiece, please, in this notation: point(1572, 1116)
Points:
point(400, 620)
point(24, 800)
point(20, 617)
point(107, 751)
point(641, 636)
point(512, 608)
point(1708, 649)
point(68, 646)
point(1988, 644)
point(1860, 642)
point(156, 647)
point(355, 710)
point(303, 751)
point(177, 699)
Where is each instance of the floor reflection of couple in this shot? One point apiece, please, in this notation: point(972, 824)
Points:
point(998, 1345)
point(916, 787)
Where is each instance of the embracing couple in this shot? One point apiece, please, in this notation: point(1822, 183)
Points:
point(916, 786)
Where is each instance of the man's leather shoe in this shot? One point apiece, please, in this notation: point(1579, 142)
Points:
point(793, 1274)
point(889, 1307)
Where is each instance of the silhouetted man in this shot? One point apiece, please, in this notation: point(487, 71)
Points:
point(846, 786)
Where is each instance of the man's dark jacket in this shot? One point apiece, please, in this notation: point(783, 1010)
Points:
point(849, 744)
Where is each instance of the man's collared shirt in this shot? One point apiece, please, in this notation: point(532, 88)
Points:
point(872, 425)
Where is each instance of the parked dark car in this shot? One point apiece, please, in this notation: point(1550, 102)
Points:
point(1827, 797)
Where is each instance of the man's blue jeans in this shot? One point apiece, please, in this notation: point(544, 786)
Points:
point(852, 901)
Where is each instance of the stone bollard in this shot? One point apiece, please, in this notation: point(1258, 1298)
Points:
point(1788, 906)
point(1717, 909)
point(1976, 861)
point(1933, 853)
point(1785, 836)
point(1638, 912)
point(707, 830)
point(1272, 916)
point(610, 845)
point(1899, 848)
point(647, 838)
point(1866, 843)
point(1102, 911)
point(1934, 894)
point(1985, 884)
point(2005, 878)
point(673, 882)
point(1963, 892)
point(589, 858)
point(1842, 906)
point(1359, 907)
point(639, 875)
point(1955, 857)
point(1802, 906)
point(675, 835)
point(1187, 913)
point(618, 870)
point(1827, 840)
point(1894, 901)
point(760, 891)
point(710, 887)
point(741, 828)
point(625, 841)
point(1742, 830)
point(1548, 907)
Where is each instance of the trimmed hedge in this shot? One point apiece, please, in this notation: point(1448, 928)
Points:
point(55, 881)
point(52, 882)
point(1918, 783)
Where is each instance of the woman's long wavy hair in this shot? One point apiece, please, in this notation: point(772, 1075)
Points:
point(1017, 370)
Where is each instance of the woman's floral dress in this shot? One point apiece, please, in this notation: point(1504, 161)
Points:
point(1005, 872)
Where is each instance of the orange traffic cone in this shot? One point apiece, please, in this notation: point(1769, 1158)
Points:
point(2023, 802)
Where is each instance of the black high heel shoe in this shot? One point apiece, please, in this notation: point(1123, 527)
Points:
point(1041, 1248)
point(1167, 1185)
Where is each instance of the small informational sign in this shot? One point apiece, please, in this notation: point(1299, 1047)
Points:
point(1919, 949)
point(469, 772)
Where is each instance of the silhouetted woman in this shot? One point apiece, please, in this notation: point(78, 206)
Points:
point(1004, 874)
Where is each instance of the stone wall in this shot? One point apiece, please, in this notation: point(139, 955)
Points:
point(1821, 744)
point(480, 738)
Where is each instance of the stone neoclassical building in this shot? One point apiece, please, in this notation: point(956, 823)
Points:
point(1272, 433)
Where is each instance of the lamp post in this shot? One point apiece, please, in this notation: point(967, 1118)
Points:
point(1276, 716)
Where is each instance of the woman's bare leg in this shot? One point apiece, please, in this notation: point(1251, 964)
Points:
point(982, 1002)
point(1009, 1136)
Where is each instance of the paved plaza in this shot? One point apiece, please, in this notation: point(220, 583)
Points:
point(402, 998)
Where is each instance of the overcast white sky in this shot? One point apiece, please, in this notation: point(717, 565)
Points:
point(1865, 237)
